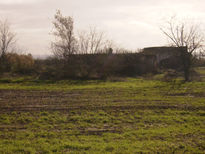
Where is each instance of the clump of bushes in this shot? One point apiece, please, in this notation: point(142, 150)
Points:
point(94, 66)
point(18, 63)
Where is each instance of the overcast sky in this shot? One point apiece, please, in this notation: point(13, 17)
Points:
point(130, 23)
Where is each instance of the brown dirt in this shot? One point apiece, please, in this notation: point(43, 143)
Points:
point(22, 100)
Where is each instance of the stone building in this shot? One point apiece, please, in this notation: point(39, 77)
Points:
point(166, 57)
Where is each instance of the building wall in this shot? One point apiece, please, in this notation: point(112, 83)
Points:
point(166, 55)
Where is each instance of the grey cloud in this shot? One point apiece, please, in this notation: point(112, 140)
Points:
point(132, 23)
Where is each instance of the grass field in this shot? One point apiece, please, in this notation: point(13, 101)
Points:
point(123, 116)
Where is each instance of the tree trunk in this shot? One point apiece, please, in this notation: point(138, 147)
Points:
point(186, 58)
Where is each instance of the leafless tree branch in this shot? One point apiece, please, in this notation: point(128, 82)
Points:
point(7, 38)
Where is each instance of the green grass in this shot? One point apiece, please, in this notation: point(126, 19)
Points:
point(128, 116)
point(201, 70)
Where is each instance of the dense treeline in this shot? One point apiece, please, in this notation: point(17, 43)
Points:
point(84, 66)
point(94, 66)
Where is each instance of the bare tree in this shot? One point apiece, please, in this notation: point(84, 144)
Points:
point(65, 43)
point(93, 41)
point(7, 38)
point(182, 34)
point(7, 41)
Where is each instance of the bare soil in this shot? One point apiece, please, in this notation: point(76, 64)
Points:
point(24, 100)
